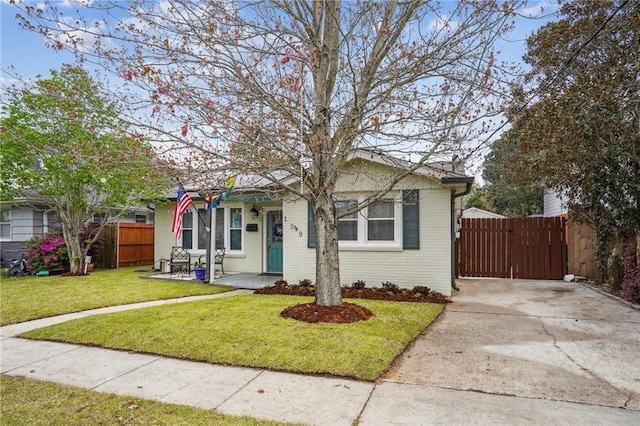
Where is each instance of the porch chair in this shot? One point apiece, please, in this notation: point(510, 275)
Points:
point(180, 260)
point(219, 259)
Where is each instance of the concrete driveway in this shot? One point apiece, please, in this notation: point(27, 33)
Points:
point(547, 340)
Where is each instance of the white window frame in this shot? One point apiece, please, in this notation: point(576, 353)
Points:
point(193, 229)
point(8, 238)
point(227, 229)
point(363, 238)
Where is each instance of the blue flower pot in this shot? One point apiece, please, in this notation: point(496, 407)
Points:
point(200, 273)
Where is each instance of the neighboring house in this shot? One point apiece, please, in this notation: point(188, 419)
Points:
point(405, 238)
point(554, 205)
point(20, 221)
point(476, 213)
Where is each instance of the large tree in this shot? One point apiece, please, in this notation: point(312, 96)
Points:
point(64, 147)
point(506, 194)
point(580, 132)
point(289, 88)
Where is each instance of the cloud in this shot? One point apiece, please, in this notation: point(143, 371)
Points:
point(539, 10)
point(442, 23)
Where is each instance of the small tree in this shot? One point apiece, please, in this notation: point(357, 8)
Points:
point(477, 198)
point(64, 147)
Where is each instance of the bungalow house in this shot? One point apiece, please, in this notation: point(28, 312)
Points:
point(405, 238)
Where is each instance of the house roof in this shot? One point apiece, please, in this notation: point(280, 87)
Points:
point(446, 172)
point(437, 170)
point(474, 212)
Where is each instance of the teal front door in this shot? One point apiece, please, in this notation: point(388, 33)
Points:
point(274, 241)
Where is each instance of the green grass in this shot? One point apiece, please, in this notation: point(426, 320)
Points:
point(30, 402)
point(248, 331)
point(28, 298)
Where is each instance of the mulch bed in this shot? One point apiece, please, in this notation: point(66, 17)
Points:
point(347, 312)
point(310, 312)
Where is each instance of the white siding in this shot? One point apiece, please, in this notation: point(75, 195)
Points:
point(429, 266)
point(25, 224)
point(249, 260)
point(163, 238)
point(553, 204)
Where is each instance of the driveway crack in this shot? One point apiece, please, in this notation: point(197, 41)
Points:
point(583, 368)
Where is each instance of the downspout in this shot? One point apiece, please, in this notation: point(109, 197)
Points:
point(468, 181)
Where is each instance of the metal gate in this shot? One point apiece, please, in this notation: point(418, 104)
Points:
point(534, 248)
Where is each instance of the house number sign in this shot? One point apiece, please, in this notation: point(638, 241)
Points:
point(293, 227)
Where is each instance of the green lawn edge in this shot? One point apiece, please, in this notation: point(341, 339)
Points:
point(248, 331)
point(31, 297)
point(31, 402)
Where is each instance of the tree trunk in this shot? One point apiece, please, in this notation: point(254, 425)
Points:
point(328, 291)
point(76, 253)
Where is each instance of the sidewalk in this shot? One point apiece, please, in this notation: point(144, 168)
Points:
point(275, 395)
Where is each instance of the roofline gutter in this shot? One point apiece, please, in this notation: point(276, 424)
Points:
point(468, 181)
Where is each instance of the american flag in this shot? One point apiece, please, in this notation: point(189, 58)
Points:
point(183, 202)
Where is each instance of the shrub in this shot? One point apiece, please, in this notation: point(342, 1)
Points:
point(359, 285)
point(631, 280)
point(389, 286)
point(47, 253)
point(421, 289)
point(305, 283)
point(281, 283)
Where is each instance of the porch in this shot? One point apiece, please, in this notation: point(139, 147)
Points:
point(244, 280)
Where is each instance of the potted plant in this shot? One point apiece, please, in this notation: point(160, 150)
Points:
point(199, 270)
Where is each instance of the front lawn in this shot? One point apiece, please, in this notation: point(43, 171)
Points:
point(248, 331)
point(32, 297)
point(31, 402)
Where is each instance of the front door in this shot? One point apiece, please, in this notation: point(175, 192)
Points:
point(274, 241)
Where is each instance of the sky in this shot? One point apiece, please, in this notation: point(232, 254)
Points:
point(24, 52)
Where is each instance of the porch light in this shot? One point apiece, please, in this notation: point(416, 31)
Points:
point(254, 212)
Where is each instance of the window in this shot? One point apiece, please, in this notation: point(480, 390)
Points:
point(99, 217)
point(388, 223)
point(347, 225)
point(187, 230)
point(202, 230)
point(381, 222)
point(235, 229)
point(376, 224)
point(227, 229)
point(5, 224)
point(192, 225)
point(140, 218)
point(220, 228)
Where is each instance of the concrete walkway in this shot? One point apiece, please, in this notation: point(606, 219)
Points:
point(243, 280)
point(400, 398)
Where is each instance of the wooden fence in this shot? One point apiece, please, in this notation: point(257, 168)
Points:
point(581, 241)
point(533, 248)
point(127, 244)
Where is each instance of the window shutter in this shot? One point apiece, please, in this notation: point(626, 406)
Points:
point(311, 228)
point(410, 220)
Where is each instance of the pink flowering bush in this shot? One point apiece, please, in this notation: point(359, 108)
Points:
point(47, 253)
